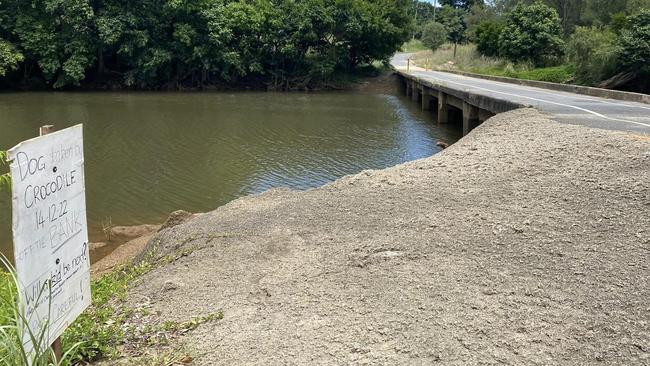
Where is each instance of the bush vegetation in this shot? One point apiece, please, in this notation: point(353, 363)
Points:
point(434, 35)
point(487, 37)
point(104, 327)
point(469, 59)
point(532, 34)
point(594, 53)
point(14, 323)
point(413, 45)
point(282, 44)
point(589, 42)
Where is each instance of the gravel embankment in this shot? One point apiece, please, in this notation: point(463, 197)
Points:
point(526, 243)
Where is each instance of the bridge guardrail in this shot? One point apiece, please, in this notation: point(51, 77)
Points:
point(578, 89)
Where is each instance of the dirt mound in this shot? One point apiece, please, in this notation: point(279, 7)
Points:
point(524, 243)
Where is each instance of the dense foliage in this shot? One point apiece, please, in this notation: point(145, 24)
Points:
point(282, 44)
point(462, 4)
point(453, 20)
point(532, 33)
point(594, 53)
point(635, 42)
point(487, 37)
point(434, 35)
point(593, 42)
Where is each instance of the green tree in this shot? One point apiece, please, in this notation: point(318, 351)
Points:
point(600, 12)
point(57, 36)
point(476, 15)
point(423, 13)
point(169, 44)
point(10, 57)
point(453, 20)
point(434, 35)
point(371, 29)
point(636, 6)
point(461, 4)
point(635, 42)
point(487, 37)
point(532, 33)
point(594, 53)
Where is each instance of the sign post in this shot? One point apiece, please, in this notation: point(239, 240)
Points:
point(50, 233)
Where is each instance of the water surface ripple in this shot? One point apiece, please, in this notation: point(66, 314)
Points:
point(148, 154)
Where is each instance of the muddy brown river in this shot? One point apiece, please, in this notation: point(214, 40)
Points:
point(148, 154)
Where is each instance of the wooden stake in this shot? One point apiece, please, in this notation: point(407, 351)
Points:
point(56, 346)
point(58, 350)
point(47, 129)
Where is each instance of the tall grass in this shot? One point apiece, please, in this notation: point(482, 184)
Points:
point(5, 178)
point(14, 326)
point(467, 58)
point(413, 45)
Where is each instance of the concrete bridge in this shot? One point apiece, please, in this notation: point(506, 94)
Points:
point(441, 99)
point(473, 100)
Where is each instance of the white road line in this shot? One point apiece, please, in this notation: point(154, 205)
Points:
point(545, 101)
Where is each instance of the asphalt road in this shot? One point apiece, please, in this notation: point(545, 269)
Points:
point(565, 107)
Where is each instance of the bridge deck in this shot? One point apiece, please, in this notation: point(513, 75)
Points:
point(564, 106)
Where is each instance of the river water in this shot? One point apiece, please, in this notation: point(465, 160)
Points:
point(148, 154)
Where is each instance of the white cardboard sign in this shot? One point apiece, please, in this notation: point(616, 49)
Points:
point(50, 230)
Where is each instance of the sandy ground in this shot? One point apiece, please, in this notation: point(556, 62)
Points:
point(122, 255)
point(127, 242)
point(525, 243)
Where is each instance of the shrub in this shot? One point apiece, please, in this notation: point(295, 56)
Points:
point(594, 54)
point(9, 57)
point(532, 33)
point(434, 35)
point(487, 37)
point(413, 45)
point(14, 322)
point(557, 74)
point(635, 42)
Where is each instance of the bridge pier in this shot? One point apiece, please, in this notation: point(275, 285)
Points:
point(426, 99)
point(443, 109)
point(450, 105)
point(470, 117)
point(415, 96)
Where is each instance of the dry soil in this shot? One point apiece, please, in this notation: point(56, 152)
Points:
point(525, 243)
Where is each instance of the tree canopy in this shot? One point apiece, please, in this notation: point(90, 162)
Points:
point(463, 4)
point(635, 42)
point(532, 33)
point(434, 35)
point(283, 44)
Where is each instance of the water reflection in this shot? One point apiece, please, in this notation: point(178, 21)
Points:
point(148, 154)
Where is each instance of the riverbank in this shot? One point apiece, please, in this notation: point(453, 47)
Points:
point(128, 243)
point(339, 80)
point(524, 243)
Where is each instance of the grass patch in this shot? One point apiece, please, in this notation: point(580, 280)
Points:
point(100, 328)
point(14, 323)
point(562, 74)
point(469, 59)
point(413, 45)
point(106, 326)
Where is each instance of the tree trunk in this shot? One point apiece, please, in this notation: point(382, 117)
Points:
point(100, 62)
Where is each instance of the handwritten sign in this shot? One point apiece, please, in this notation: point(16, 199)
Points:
point(50, 231)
